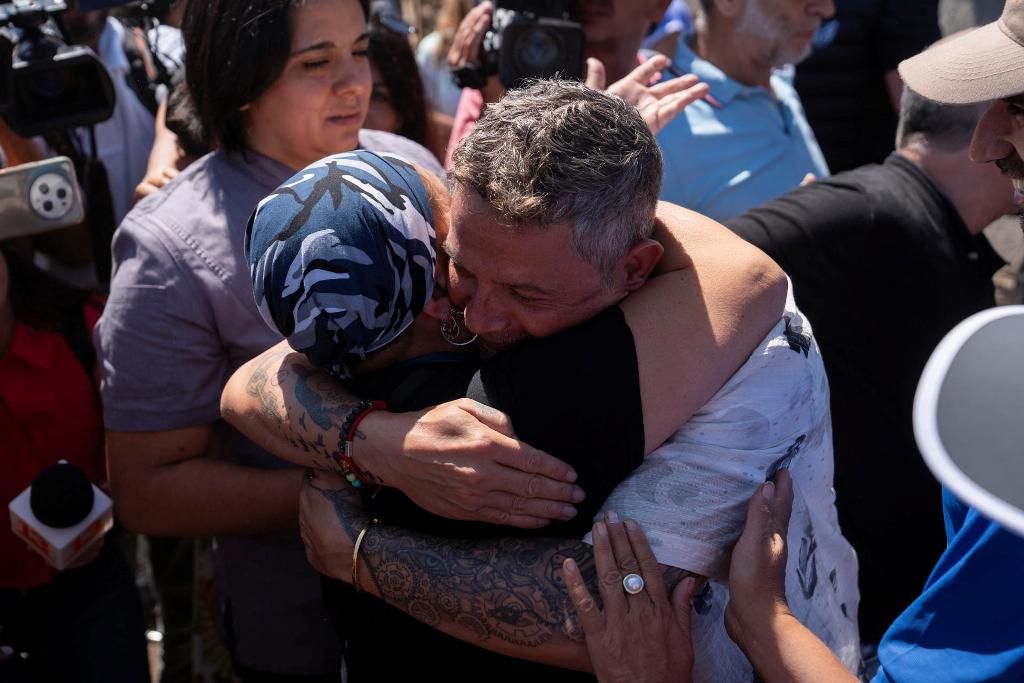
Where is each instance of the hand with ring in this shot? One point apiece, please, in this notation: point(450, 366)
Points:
point(641, 635)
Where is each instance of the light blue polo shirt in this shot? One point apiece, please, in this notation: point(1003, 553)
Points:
point(737, 148)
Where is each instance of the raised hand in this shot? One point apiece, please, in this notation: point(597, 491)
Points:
point(658, 102)
point(757, 574)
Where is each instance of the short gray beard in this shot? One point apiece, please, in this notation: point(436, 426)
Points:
point(758, 23)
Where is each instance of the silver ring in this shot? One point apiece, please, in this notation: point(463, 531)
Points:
point(632, 583)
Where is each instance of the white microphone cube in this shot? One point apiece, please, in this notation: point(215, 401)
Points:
point(60, 547)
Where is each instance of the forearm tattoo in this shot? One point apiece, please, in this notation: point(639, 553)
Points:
point(260, 386)
point(322, 404)
point(482, 591)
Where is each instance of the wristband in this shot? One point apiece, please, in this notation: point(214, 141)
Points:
point(353, 474)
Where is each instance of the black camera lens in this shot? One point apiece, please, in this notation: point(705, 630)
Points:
point(538, 50)
point(57, 94)
point(48, 87)
point(538, 46)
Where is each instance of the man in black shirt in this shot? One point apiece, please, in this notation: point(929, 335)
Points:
point(849, 86)
point(885, 260)
point(558, 400)
point(577, 394)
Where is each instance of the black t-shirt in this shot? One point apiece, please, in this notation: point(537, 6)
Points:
point(842, 84)
point(575, 395)
point(883, 267)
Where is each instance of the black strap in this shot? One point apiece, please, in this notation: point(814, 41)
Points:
point(76, 334)
point(99, 205)
point(146, 73)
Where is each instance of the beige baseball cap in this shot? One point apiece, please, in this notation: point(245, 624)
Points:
point(984, 64)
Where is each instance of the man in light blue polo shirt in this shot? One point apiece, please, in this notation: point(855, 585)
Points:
point(748, 141)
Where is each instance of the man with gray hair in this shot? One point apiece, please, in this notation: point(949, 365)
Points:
point(552, 213)
point(748, 141)
point(895, 249)
point(555, 154)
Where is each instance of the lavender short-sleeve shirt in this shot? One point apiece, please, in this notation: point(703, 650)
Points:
point(180, 319)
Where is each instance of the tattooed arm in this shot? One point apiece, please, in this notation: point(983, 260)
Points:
point(306, 431)
point(507, 595)
point(458, 460)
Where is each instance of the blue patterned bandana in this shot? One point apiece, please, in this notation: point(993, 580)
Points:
point(342, 256)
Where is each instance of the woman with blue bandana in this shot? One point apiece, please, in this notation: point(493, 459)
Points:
point(274, 86)
point(343, 258)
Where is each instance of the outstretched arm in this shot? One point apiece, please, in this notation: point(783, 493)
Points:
point(506, 595)
point(458, 460)
point(712, 301)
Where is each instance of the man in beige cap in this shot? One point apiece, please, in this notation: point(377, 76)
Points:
point(985, 65)
point(966, 625)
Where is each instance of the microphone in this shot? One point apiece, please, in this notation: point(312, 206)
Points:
point(61, 514)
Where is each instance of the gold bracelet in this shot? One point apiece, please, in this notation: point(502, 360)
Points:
point(355, 554)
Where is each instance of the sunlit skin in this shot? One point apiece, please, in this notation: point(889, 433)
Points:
point(747, 39)
point(780, 31)
point(999, 139)
point(317, 105)
point(527, 281)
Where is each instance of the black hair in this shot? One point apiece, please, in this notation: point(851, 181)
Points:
point(182, 121)
point(394, 58)
point(234, 51)
point(948, 127)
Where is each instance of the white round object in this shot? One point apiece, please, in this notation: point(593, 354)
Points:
point(632, 583)
point(51, 196)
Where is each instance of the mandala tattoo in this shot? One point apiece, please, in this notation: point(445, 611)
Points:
point(508, 589)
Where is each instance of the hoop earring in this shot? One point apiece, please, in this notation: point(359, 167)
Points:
point(452, 328)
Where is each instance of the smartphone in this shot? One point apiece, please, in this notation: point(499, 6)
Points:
point(39, 197)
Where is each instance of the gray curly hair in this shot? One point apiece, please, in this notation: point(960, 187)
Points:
point(555, 151)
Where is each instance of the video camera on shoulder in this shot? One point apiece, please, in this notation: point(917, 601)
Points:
point(45, 84)
point(528, 39)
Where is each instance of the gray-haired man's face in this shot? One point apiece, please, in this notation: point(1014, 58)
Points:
point(522, 283)
point(780, 32)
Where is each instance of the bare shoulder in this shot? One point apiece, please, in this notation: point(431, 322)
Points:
point(725, 265)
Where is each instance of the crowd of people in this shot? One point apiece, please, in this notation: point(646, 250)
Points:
point(556, 379)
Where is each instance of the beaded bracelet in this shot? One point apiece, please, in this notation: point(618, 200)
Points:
point(353, 474)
